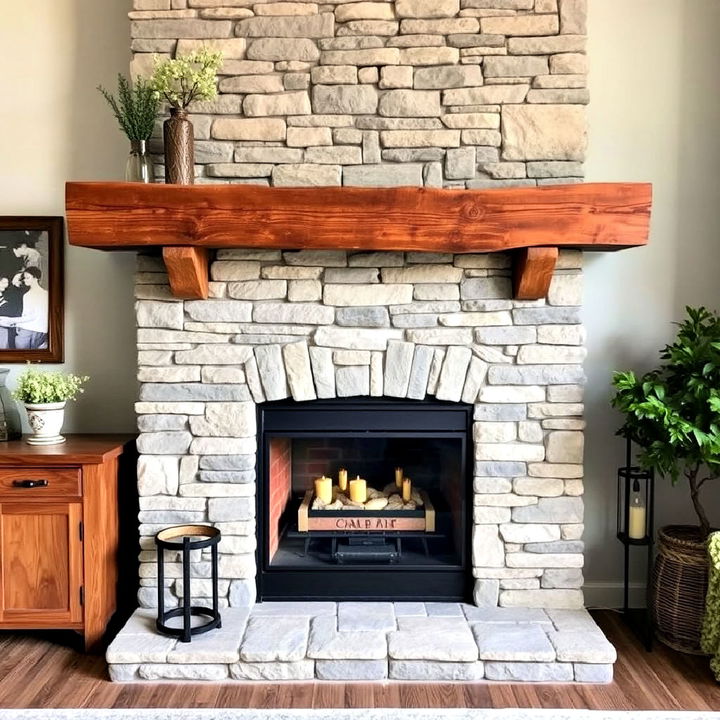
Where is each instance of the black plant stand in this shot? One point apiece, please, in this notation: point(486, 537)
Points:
point(181, 538)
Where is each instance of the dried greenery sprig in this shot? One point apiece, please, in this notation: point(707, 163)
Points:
point(35, 386)
point(187, 77)
point(135, 107)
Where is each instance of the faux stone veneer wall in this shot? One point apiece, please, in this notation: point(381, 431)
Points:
point(307, 324)
point(445, 93)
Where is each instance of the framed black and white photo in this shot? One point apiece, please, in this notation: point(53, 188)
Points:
point(31, 289)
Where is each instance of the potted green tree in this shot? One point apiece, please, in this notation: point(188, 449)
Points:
point(45, 395)
point(673, 414)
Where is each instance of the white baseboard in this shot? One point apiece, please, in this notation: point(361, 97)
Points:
point(610, 595)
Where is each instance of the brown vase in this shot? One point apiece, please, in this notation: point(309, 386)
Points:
point(179, 148)
point(679, 586)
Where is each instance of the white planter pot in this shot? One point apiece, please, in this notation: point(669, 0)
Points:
point(46, 420)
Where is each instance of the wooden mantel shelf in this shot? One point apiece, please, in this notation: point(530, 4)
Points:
point(187, 221)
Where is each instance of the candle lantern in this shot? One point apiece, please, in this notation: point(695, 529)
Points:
point(635, 527)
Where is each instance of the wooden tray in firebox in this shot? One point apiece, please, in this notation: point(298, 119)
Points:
point(347, 521)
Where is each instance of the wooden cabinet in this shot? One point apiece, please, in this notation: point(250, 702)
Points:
point(59, 534)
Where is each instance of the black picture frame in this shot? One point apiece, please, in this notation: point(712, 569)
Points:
point(31, 258)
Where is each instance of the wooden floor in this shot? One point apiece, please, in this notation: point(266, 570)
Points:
point(36, 672)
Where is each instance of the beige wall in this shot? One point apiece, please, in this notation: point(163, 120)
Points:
point(54, 126)
point(654, 116)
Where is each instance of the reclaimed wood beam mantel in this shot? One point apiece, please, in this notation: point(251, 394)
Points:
point(187, 220)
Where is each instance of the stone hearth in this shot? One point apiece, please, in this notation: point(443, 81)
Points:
point(372, 641)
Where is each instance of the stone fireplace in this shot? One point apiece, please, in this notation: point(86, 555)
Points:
point(248, 395)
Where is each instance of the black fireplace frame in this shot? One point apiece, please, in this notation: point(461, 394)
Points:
point(349, 417)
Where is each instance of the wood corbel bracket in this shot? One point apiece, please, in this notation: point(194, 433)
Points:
point(187, 269)
point(533, 269)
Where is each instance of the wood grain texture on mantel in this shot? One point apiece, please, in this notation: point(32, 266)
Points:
point(124, 216)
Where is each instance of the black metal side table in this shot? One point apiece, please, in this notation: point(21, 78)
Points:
point(184, 538)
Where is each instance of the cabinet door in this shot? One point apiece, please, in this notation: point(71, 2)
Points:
point(40, 564)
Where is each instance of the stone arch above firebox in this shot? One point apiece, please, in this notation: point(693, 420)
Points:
point(404, 370)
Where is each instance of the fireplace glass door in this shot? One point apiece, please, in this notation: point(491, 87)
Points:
point(364, 500)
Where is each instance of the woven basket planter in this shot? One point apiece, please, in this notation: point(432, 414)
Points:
point(679, 586)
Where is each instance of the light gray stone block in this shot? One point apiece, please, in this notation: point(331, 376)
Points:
point(474, 380)
point(326, 643)
point(122, 673)
point(551, 510)
point(513, 643)
point(299, 670)
point(323, 370)
point(409, 609)
point(354, 670)
point(226, 419)
point(452, 375)
point(420, 372)
point(485, 592)
point(444, 609)
point(295, 609)
point(582, 646)
point(183, 672)
point(499, 412)
point(356, 339)
point(553, 672)
point(593, 673)
point(224, 509)
point(272, 371)
point(511, 616)
point(299, 374)
point(218, 646)
point(453, 644)
point(242, 593)
point(352, 381)
point(369, 317)
point(428, 670)
point(363, 616)
point(182, 392)
point(139, 648)
point(398, 364)
point(159, 314)
point(384, 175)
point(536, 375)
point(271, 638)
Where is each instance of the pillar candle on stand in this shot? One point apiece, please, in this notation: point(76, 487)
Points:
point(342, 479)
point(398, 477)
point(407, 489)
point(358, 490)
point(323, 489)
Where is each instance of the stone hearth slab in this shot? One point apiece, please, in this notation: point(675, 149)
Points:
point(526, 643)
point(444, 639)
point(273, 638)
point(301, 641)
point(363, 616)
point(582, 646)
point(434, 671)
point(351, 669)
point(326, 643)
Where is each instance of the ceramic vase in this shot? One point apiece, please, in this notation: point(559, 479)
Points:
point(179, 150)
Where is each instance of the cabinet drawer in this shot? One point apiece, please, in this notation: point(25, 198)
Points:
point(27, 483)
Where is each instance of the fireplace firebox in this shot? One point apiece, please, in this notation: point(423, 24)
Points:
point(402, 534)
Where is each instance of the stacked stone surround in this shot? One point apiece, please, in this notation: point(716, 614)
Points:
point(442, 93)
point(323, 324)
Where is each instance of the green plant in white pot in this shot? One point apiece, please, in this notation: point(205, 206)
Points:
point(45, 395)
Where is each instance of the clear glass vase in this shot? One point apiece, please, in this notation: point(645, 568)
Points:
point(139, 167)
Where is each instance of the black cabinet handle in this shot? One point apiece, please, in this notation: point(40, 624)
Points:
point(30, 483)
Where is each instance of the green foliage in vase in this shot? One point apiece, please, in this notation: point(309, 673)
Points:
point(673, 412)
point(35, 386)
point(135, 107)
point(187, 77)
